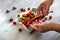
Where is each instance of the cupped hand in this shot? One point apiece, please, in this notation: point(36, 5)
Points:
point(42, 27)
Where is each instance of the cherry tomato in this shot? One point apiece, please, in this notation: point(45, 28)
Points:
point(18, 15)
point(27, 25)
point(19, 29)
point(45, 18)
point(28, 8)
point(39, 18)
point(22, 15)
point(14, 8)
point(31, 16)
point(14, 23)
point(23, 22)
point(30, 22)
point(7, 11)
point(21, 9)
point(11, 19)
point(28, 14)
point(50, 17)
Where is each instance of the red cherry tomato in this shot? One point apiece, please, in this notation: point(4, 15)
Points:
point(39, 18)
point(18, 15)
point(23, 22)
point(50, 17)
point(13, 8)
point(11, 19)
point(28, 8)
point(21, 9)
point(28, 24)
point(28, 14)
point(14, 23)
point(31, 16)
point(22, 15)
point(7, 11)
point(45, 18)
point(19, 29)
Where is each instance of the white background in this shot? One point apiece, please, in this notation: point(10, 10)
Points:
point(10, 32)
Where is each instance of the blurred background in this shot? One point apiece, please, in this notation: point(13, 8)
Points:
point(10, 32)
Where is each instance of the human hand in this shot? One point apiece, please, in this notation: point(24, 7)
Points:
point(45, 27)
point(41, 27)
point(43, 8)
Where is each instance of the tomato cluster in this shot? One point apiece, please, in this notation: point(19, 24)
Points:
point(22, 10)
point(26, 18)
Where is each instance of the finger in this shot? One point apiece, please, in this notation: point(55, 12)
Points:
point(33, 26)
point(38, 11)
point(36, 21)
point(41, 11)
point(36, 28)
point(39, 8)
point(46, 12)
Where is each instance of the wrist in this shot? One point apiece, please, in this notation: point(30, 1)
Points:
point(56, 27)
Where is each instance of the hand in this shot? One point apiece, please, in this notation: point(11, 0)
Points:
point(43, 8)
point(51, 26)
point(41, 27)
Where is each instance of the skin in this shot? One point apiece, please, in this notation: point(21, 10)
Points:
point(45, 27)
point(44, 7)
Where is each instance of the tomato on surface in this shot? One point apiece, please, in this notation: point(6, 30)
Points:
point(14, 8)
point(50, 17)
point(14, 23)
point(22, 10)
point(28, 8)
point(7, 11)
point(18, 15)
point(19, 29)
point(11, 19)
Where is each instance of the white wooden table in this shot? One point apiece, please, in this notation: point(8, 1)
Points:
point(9, 32)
